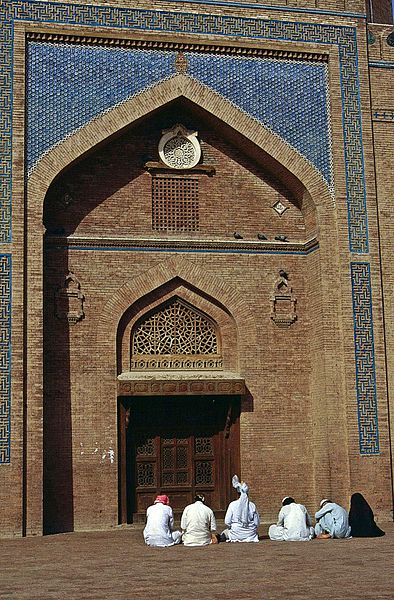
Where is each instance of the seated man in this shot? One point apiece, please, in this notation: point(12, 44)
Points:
point(198, 523)
point(242, 518)
point(160, 523)
point(294, 523)
point(332, 521)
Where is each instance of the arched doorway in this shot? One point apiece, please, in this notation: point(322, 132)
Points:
point(177, 443)
point(100, 219)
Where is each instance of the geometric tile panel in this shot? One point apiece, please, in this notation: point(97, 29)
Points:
point(289, 97)
point(69, 85)
point(192, 23)
point(365, 359)
point(5, 356)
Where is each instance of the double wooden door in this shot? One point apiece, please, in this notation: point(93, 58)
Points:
point(178, 446)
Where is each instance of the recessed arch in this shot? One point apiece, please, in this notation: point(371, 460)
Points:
point(182, 277)
point(111, 123)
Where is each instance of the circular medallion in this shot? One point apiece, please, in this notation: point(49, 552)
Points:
point(179, 152)
point(179, 148)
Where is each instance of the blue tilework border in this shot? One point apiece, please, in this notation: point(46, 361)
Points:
point(5, 357)
point(382, 65)
point(190, 250)
point(192, 23)
point(365, 358)
point(269, 7)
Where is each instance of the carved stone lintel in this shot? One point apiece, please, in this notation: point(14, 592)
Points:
point(176, 387)
point(69, 300)
point(283, 302)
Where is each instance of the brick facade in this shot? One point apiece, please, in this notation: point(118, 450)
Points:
point(293, 109)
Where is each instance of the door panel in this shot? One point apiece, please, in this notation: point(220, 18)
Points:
point(180, 447)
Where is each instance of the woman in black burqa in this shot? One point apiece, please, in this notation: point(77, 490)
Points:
point(361, 518)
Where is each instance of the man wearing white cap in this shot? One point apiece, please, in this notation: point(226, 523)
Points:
point(294, 523)
point(332, 521)
point(198, 523)
point(242, 518)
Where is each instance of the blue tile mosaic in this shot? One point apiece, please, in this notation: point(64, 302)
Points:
point(5, 357)
point(68, 85)
point(289, 97)
point(365, 358)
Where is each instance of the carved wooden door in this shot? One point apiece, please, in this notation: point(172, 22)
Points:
point(180, 447)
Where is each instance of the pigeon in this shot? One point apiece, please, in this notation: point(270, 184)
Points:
point(237, 235)
point(261, 236)
point(281, 238)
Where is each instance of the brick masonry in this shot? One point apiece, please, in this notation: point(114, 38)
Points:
point(315, 421)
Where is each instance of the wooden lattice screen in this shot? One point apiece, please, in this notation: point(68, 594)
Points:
point(175, 337)
point(175, 204)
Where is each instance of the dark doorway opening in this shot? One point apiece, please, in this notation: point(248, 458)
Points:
point(177, 446)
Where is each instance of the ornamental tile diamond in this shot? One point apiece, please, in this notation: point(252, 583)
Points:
point(279, 208)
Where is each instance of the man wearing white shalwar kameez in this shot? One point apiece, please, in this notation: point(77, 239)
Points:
point(294, 523)
point(197, 523)
point(160, 523)
point(242, 518)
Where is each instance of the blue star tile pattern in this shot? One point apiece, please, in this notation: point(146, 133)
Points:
point(68, 85)
point(288, 97)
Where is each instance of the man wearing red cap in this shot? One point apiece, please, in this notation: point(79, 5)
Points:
point(159, 524)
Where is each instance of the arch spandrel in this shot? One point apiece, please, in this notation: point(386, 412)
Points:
point(111, 123)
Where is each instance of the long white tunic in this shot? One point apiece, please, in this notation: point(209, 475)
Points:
point(238, 531)
point(294, 524)
point(159, 525)
point(334, 519)
point(197, 522)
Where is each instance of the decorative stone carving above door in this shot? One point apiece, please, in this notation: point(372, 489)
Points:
point(179, 148)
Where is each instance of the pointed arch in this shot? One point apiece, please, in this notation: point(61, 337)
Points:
point(103, 127)
point(181, 277)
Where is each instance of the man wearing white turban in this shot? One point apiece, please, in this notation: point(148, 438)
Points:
point(242, 518)
point(294, 523)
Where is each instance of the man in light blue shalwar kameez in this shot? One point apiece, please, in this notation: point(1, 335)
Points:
point(332, 520)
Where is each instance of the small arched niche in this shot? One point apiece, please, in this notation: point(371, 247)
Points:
point(176, 336)
point(176, 328)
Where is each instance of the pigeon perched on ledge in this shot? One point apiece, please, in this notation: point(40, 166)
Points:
point(281, 238)
point(238, 236)
point(261, 236)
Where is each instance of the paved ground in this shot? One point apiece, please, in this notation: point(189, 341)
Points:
point(117, 565)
